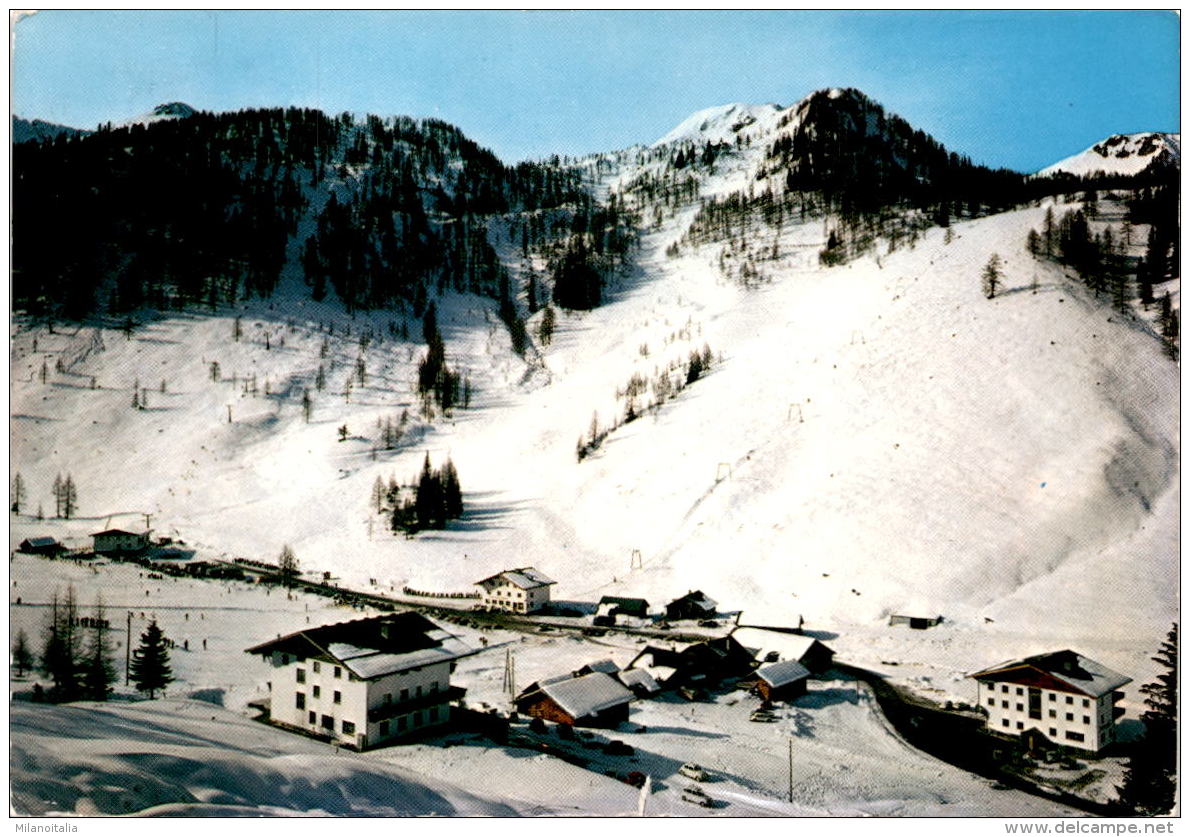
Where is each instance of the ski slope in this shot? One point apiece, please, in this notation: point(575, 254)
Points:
point(874, 438)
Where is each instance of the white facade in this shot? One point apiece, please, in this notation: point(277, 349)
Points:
point(1072, 720)
point(324, 697)
point(516, 591)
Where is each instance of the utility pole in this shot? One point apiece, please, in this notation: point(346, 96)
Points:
point(128, 649)
point(790, 769)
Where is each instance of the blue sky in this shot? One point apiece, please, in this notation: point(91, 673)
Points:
point(1017, 89)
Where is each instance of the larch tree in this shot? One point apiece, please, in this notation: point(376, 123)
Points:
point(992, 276)
point(18, 492)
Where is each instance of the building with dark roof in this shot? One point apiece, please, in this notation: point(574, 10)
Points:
point(364, 682)
point(1063, 696)
point(119, 542)
point(41, 546)
point(591, 700)
point(694, 605)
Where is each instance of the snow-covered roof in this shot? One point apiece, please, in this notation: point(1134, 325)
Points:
point(783, 673)
point(119, 532)
point(638, 677)
point(697, 597)
point(525, 578)
point(582, 696)
point(371, 648)
point(38, 542)
point(761, 642)
point(607, 666)
point(1080, 673)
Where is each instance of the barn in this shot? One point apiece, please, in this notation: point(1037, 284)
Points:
point(785, 680)
point(41, 546)
point(768, 645)
point(621, 606)
point(694, 605)
point(592, 700)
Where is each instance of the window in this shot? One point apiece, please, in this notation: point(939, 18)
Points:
point(418, 692)
point(1070, 716)
point(1053, 696)
point(1086, 703)
point(317, 691)
point(1053, 714)
point(338, 697)
point(1069, 699)
point(388, 699)
point(1086, 719)
point(328, 723)
point(1020, 691)
point(301, 700)
point(348, 728)
point(1074, 736)
point(991, 701)
point(338, 672)
point(1003, 688)
point(1019, 725)
point(312, 718)
point(434, 687)
point(1020, 707)
point(433, 714)
point(417, 719)
point(404, 695)
point(317, 667)
point(402, 723)
point(1053, 733)
point(1004, 722)
point(384, 728)
point(1004, 704)
point(301, 675)
point(284, 659)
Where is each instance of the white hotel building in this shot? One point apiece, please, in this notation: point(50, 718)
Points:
point(1065, 696)
point(364, 682)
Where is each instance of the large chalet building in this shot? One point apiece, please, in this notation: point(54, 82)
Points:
point(523, 590)
point(364, 682)
point(1065, 696)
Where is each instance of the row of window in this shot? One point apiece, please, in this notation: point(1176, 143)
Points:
point(1070, 736)
point(301, 697)
point(404, 694)
point(1053, 697)
point(430, 716)
point(328, 723)
point(1020, 707)
point(301, 672)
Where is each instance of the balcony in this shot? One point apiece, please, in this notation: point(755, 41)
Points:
point(1116, 712)
point(1116, 697)
point(401, 707)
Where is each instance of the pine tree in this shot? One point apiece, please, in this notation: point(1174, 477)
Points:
point(98, 671)
point(18, 492)
point(61, 654)
point(1149, 781)
point(22, 656)
point(287, 563)
point(149, 668)
point(991, 276)
point(452, 492)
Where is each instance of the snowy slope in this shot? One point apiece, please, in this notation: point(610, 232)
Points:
point(1125, 154)
point(723, 124)
point(876, 438)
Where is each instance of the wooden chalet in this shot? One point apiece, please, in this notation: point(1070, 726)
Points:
point(693, 605)
point(782, 681)
point(590, 700)
point(42, 546)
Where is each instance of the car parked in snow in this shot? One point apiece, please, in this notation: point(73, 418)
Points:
point(698, 796)
point(693, 771)
point(762, 716)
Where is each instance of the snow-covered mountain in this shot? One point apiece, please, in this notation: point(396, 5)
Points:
point(1125, 154)
point(871, 438)
point(161, 113)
